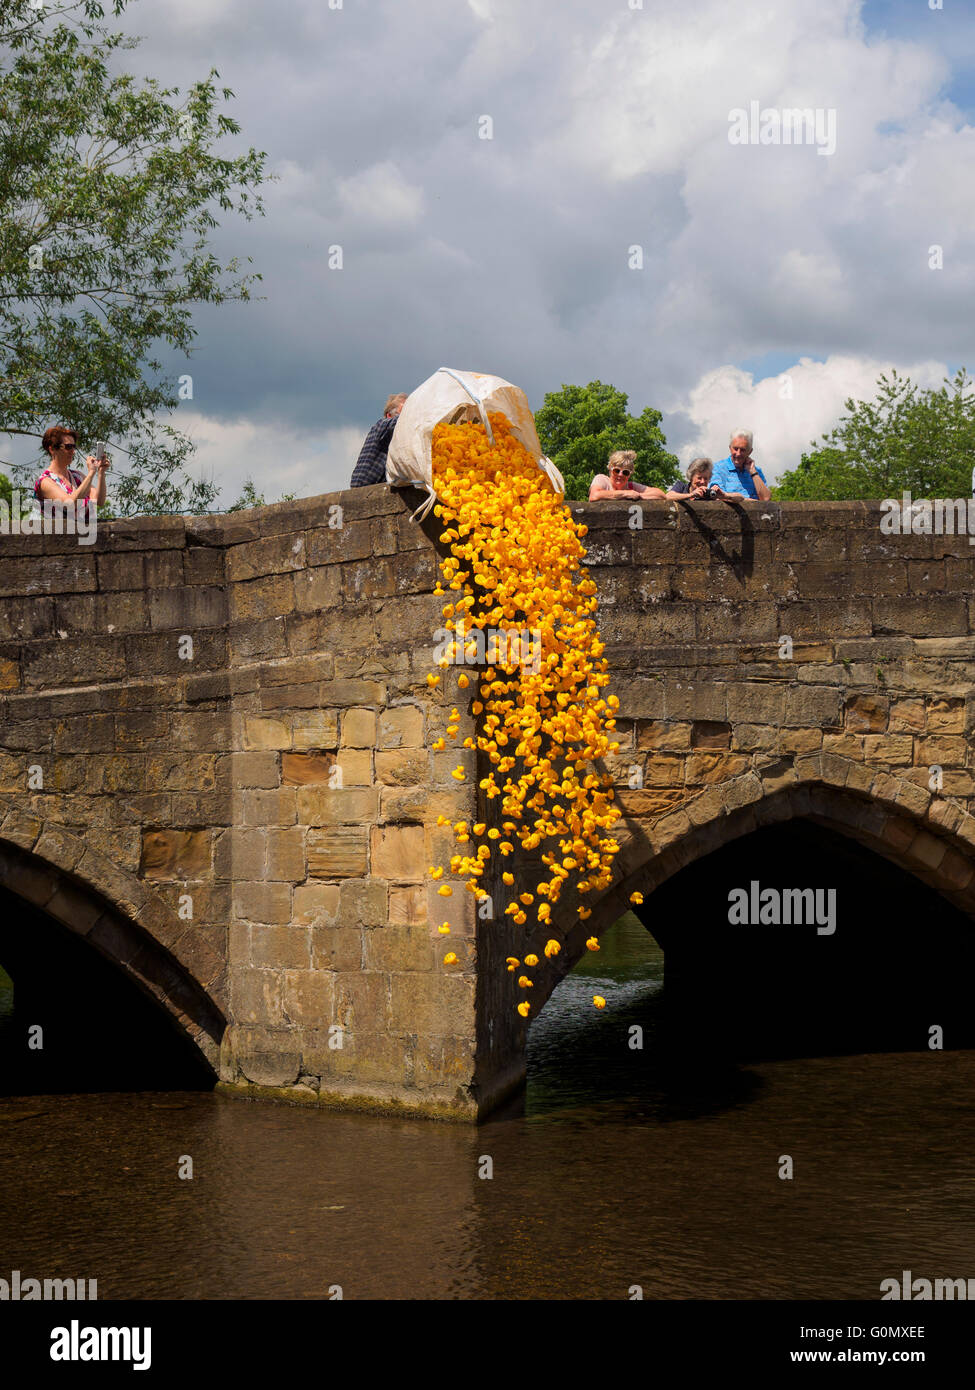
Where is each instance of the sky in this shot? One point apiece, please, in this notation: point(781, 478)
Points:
point(773, 280)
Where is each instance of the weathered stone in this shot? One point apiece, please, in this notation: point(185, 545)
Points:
point(318, 730)
point(867, 713)
point(180, 771)
point(649, 803)
point(338, 806)
point(402, 947)
point(259, 770)
point(187, 608)
point(270, 1068)
point(401, 727)
point(818, 706)
point(397, 853)
point(708, 734)
point(888, 748)
point(926, 849)
point(316, 904)
point(661, 734)
point(846, 745)
point(305, 769)
point(359, 728)
point(907, 717)
point(317, 588)
point(337, 948)
point(361, 1001)
point(262, 598)
point(355, 767)
point(280, 947)
point(946, 716)
point(941, 616)
point(408, 905)
point(175, 854)
point(406, 768)
point(800, 740)
point(363, 903)
point(946, 750)
point(262, 902)
point(271, 555)
point(266, 733)
point(276, 806)
point(713, 767)
point(286, 854)
point(341, 851)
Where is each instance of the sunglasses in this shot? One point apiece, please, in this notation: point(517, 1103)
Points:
point(623, 472)
point(67, 448)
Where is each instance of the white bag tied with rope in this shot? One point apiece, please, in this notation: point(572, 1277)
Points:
point(448, 398)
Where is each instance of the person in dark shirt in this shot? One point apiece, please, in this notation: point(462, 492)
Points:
point(698, 483)
point(371, 464)
point(698, 480)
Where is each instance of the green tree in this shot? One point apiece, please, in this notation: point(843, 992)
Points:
point(907, 438)
point(249, 497)
point(580, 426)
point(109, 190)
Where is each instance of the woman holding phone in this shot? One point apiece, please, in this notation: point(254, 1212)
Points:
point(60, 482)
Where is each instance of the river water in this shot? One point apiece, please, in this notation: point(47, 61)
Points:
point(610, 1173)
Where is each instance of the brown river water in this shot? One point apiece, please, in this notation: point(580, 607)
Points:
point(607, 1174)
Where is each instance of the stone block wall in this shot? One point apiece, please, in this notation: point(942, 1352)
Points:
point(115, 774)
point(239, 794)
point(338, 991)
point(771, 660)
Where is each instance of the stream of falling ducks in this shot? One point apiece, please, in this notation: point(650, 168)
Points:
point(516, 563)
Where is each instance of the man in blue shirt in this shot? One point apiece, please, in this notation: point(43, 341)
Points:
point(738, 474)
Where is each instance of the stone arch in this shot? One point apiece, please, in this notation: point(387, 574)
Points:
point(920, 831)
point(117, 926)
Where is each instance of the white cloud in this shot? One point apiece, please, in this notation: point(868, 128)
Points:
point(727, 399)
point(278, 458)
point(381, 196)
point(611, 129)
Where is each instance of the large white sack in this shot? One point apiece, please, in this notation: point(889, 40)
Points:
point(449, 397)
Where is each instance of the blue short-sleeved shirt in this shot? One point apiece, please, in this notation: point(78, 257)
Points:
point(727, 477)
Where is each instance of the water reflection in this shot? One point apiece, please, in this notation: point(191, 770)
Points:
point(614, 1171)
point(623, 1059)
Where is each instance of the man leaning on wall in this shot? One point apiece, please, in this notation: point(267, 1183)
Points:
point(371, 464)
point(738, 475)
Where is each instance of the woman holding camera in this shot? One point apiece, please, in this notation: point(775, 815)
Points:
point(60, 482)
point(699, 484)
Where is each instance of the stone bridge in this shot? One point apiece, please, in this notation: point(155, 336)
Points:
point(216, 769)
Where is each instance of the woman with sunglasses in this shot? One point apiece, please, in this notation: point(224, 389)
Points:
point(60, 482)
point(620, 482)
